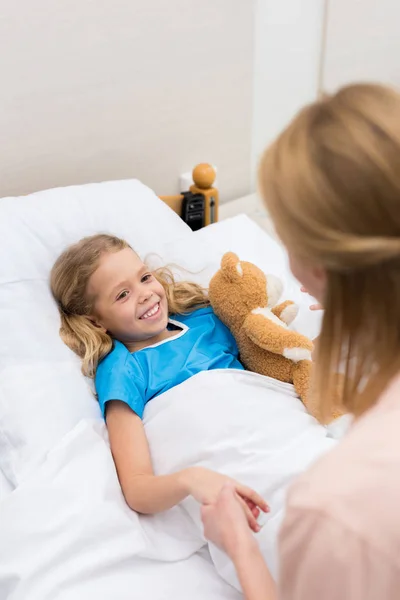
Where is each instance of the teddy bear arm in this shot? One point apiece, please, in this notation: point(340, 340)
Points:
point(286, 311)
point(276, 338)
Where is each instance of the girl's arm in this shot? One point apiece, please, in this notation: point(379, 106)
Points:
point(147, 493)
point(143, 492)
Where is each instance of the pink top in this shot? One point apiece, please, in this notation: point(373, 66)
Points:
point(341, 536)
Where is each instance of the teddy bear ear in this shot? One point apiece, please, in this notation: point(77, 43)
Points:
point(274, 289)
point(231, 267)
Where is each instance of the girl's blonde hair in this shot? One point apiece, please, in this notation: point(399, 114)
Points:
point(69, 279)
point(331, 182)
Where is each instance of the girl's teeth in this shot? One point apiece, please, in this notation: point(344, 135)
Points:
point(151, 312)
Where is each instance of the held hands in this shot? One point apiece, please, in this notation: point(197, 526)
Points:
point(206, 486)
point(225, 523)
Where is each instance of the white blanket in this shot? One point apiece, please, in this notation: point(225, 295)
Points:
point(67, 533)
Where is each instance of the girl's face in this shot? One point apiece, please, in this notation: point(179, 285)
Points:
point(129, 303)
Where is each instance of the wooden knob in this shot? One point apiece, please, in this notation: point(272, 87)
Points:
point(203, 176)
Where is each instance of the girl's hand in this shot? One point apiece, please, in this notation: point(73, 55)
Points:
point(225, 523)
point(205, 486)
point(313, 306)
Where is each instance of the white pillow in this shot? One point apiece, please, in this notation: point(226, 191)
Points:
point(241, 235)
point(42, 393)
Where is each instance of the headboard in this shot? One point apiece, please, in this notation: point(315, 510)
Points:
point(203, 177)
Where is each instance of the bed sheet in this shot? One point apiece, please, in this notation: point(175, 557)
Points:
point(67, 527)
point(67, 533)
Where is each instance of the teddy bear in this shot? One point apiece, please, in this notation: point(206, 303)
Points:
point(245, 299)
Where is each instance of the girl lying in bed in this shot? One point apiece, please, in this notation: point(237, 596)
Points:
point(140, 333)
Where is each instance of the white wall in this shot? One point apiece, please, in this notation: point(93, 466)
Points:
point(288, 37)
point(362, 42)
point(94, 90)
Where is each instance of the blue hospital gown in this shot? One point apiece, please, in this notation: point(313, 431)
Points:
point(202, 343)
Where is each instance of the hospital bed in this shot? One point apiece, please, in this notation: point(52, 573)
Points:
point(65, 531)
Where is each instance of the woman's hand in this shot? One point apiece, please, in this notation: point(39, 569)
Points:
point(313, 306)
point(205, 486)
point(225, 523)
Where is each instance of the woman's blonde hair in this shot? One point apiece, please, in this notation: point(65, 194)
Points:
point(69, 279)
point(331, 182)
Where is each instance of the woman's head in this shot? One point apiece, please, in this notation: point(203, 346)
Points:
point(104, 291)
point(331, 182)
